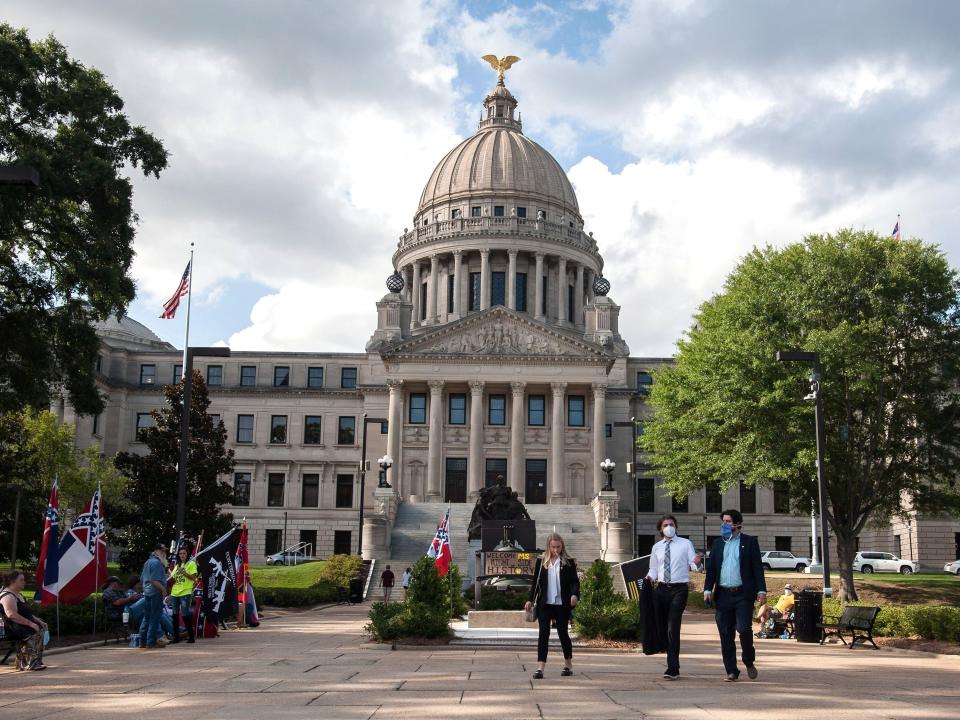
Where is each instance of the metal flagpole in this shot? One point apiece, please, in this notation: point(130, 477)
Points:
point(185, 414)
point(96, 557)
point(186, 332)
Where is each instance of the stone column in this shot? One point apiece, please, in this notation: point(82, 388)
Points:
point(590, 276)
point(516, 478)
point(474, 470)
point(599, 434)
point(394, 430)
point(512, 279)
point(484, 279)
point(432, 290)
point(457, 260)
point(538, 302)
point(415, 289)
point(435, 441)
point(562, 290)
point(578, 298)
point(557, 490)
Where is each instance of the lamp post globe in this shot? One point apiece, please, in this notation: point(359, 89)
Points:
point(608, 466)
point(385, 463)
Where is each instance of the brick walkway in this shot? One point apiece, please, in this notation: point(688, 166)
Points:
point(318, 665)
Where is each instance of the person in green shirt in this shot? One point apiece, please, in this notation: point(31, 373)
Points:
point(181, 594)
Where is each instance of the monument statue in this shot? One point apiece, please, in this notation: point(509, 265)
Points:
point(501, 65)
point(495, 504)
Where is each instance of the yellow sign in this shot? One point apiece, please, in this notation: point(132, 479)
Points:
point(509, 563)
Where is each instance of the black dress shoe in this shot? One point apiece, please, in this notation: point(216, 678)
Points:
point(567, 672)
point(671, 675)
point(538, 675)
point(752, 672)
point(731, 677)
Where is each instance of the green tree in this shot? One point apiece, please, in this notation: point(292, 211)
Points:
point(152, 492)
point(883, 314)
point(66, 246)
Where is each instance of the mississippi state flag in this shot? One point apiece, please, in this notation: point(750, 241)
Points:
point(48, 567)
point(83, 554)
point(440, 547)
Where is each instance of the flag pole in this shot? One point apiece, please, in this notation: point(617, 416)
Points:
point(185, 411)
point(96, 557)
point(186, 332)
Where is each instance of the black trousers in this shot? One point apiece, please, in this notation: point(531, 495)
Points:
point(671, 600)
point(735, 616)
point(560, 613)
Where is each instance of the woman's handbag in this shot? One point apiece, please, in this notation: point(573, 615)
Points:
point(531, 614)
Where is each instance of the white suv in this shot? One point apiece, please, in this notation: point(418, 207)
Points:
point(868, 562)
point(783, 560)
point(953, 567)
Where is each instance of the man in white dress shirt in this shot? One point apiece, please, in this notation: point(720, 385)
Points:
point(671, 560)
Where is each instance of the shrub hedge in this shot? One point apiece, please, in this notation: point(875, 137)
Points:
point(493, 599)
point(390, 621)
point(322, 592)
point(931, 622)
point(601, 612)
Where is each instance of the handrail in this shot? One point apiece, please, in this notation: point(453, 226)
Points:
point(306, 547)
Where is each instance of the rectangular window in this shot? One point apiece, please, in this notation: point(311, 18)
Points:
point(348, 377)
point(781, 497)
point(475, 211)
point(315, 377)
point(644, 380)
point(455, 214)
point(645, 544)
point(385, 427)
point(498, 210)
point(148, 374)
point(214, 375)
point(570, 297)
point(177, 373)
point(278, 429)
point(748, 498)
point(241, 488)
point(281, 376)
point(521, 292)
point(346, 430)
point(473, 301)
point(608, 430)
point(536, 410)
point(311, 430)
point(308, 539)
point(423, 301)
point(342, 542)
point(575, 411)
point(244, 428)
point(310, 491)
point(521, 212)
point(450, 279)
point(96, 425)
point(99, 365)
point(344, 491)
point(498, 288)
point(497, 410)
point(215, 420)
point(783, 543)
point(248, 375)
point(275, 483)
point(417, 414)
point(457, 414)
point(680, 506)
point(144, 421)
point(543, 295)
point(273, 540)
point(714, 499)
point(645, 498)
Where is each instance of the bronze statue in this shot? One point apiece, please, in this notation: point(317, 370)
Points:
point(497, 503)
point(501, 65)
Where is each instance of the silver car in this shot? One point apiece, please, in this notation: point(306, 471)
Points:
point(952, 567)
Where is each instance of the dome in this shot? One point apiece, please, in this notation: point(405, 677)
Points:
point(128, 333)
point(500, 162)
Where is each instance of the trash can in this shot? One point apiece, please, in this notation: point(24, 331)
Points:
point(356, 590)
point(807, 612)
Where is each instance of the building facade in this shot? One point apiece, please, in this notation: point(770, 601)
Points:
point(496, 352)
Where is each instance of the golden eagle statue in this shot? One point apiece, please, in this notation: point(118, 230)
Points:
point(501, 65)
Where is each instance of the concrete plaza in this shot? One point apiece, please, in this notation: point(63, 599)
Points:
point(317, 664)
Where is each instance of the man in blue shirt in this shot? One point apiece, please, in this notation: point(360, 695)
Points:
point(735, 579)
point(154, 579)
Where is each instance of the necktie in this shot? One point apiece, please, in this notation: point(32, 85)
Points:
point(666, 564)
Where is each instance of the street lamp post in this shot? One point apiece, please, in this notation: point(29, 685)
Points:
point(816, 394)
point(385, 463)
point(363, 474)
point(632, 474)
point(608, 466)
point(185, 430)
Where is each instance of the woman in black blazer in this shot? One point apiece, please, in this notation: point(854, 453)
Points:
point(554, 592)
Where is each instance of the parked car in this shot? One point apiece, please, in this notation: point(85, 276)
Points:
point(783, 560)
point(952, 567)
point(869, 562)
point(287, 557)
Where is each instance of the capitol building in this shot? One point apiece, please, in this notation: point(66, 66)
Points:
point(496, 351)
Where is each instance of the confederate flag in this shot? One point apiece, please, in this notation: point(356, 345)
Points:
point(83, 554)
point(440, 547)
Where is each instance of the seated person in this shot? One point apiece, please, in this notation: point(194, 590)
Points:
point(781, 610)
point(115, 599)
point(20, 624)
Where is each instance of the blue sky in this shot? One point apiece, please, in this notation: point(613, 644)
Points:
point(301, 135)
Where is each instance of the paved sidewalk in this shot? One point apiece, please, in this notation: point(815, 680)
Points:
point(318, 665)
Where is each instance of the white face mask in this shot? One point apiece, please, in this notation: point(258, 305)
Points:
point(669, 531)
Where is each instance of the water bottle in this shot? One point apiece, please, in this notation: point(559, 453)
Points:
point(126, 616)
point(785, 635)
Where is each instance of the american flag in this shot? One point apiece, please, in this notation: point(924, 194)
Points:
point(170, 307)
point(440, 547)
point(896, 229)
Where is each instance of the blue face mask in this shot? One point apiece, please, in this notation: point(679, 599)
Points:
point(726, 531)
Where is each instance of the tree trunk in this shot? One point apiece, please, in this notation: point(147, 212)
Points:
point(16, 529)
point(846, 550)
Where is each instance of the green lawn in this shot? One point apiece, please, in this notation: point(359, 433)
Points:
point(286, 576)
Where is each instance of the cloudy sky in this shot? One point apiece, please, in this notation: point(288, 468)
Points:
point(301, 134)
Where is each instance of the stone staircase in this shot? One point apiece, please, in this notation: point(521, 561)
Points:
point(416, 524)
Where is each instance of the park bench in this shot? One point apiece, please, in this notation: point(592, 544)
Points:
point(856, 620)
